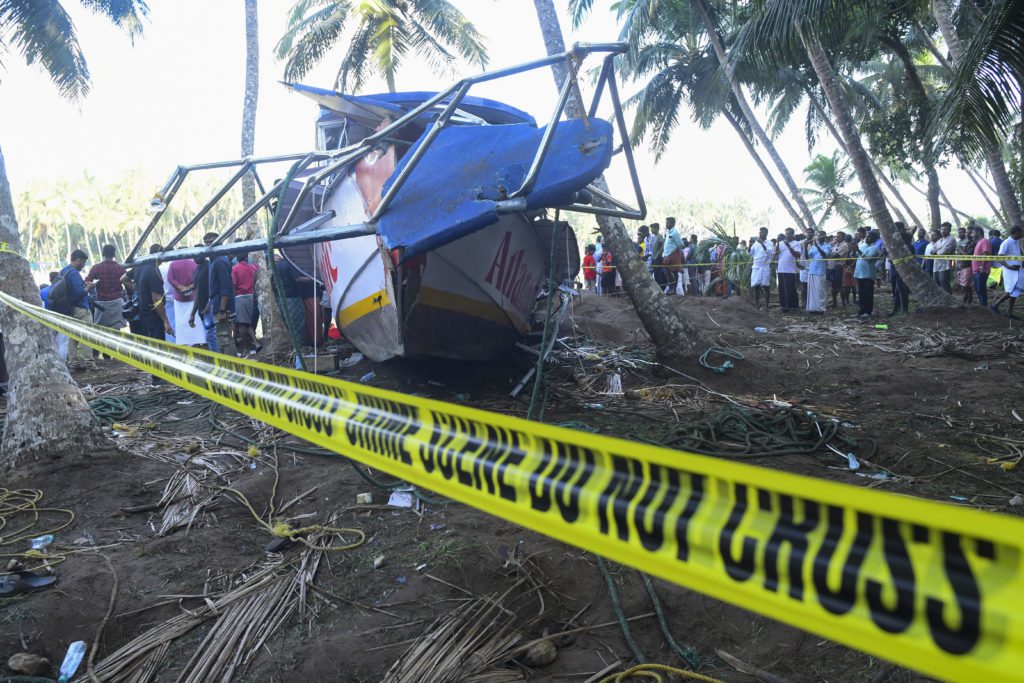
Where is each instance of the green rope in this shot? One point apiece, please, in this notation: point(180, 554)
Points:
point(719, 351)
point(538, 374)
point(687, 654)
point(620, 615)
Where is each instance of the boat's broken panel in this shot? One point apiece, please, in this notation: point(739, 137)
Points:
point(469, 169)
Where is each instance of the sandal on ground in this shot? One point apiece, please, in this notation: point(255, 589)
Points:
point(24, 582)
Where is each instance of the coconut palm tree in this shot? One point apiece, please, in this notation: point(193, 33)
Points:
point(47, 416)
point(379, 35)
point(828, 177)
point(712, 29)
point(985, 98)
point(673, 335)
point(678, 70)
point(799, 31)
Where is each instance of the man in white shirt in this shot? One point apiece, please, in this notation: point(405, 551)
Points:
point(761, 253)
point(789, 252)
point(945, 245)
point(1013, 281)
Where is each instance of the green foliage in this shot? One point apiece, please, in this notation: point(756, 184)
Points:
point(379, 35)
point(59, 215)
point(42, 32)
point(984, 99)
point(700, 217)
point(829, 177)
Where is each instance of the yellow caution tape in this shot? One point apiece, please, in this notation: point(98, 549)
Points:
point(927, 585)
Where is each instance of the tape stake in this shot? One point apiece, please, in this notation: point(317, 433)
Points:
point(927, 585)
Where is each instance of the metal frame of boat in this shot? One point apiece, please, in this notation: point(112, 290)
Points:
point(325, 171)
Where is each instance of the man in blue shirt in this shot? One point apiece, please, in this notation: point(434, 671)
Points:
point(865, 272)
point(672, 256)
point(919, 245)
point(995, 240)
point(222, 303)
point(817, 252)
point(78, 296)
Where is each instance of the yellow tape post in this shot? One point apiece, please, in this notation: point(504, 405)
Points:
point(924, 584)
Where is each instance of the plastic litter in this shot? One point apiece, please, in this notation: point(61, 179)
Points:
point(76, 652)
point(354, 359)
point(368, 377)
point(881, 327)
point(41, 542)
point(760, 330)
point(401, 499)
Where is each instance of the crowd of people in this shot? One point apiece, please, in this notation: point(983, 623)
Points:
point(205, 303)
point(815, 271)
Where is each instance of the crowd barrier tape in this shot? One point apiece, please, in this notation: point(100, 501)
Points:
point(924, 584)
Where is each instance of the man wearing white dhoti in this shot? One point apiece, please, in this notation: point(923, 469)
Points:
point(760, 268)
point(1013, 282)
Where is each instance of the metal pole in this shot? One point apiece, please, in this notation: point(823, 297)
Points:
point(309, 236)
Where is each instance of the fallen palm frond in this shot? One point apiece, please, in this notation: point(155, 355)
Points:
point(478, 641)
point(183, 500)
point(245, 617)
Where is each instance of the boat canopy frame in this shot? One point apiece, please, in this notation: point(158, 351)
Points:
point(446, 103)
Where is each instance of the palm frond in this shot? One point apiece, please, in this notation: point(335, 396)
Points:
point(311, 39)
point(984, 99)
point(127, 15)
point(43, 32)
point(450, 26)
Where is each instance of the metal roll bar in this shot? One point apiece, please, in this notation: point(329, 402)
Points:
point(446, 104)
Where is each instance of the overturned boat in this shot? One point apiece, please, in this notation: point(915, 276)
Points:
point(425, 216)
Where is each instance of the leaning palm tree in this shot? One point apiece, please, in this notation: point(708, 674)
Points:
point(792, 32)
point(828, 177)
point(47, 416)
point(380, 35)
point(675, 337)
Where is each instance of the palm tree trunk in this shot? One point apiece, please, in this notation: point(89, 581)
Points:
point(673, 335)
point(925, 291)
point(924, 107)
point(270, 317)
point(47, 416)
point(993, 155)
point(874, 166)
point(761, 165)
point(748, 113)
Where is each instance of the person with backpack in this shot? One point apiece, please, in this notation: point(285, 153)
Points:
point(69, 295)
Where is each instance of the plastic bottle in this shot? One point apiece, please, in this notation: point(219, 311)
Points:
point(881, 327)
point(41, 542)
point(71, 661)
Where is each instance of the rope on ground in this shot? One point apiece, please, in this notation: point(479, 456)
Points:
point(735, 431)
point(725, 365)
point(280, 529)
point(620, 615)
point(688, 654)
point(651, 671)
point(103, 623)
point(26, 502)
